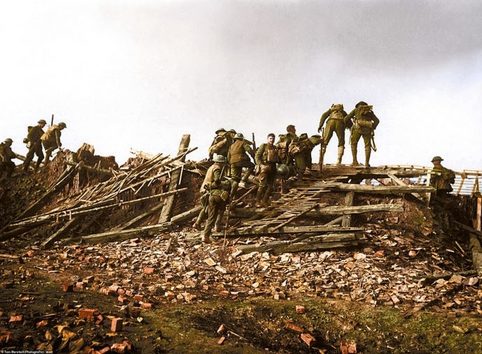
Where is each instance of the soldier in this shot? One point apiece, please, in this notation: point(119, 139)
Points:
point(282, 146)
point(363, 122)
point(238, 157)
point(34, 145)
point(51, 139)
point(221, 143)
point(218, 195)
point(442, 178)
point(335, 123)
point(297, 149)
point(266, 159)
point(6, 156)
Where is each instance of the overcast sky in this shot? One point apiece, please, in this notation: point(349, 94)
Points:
point(139, 73)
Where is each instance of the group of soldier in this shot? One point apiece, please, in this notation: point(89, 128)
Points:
point(287, 159)
point(37, 141)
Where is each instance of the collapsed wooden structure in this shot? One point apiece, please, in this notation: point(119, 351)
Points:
point(148, 198)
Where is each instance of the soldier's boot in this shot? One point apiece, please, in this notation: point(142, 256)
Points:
point(259, 196)
point(341, 150)
point(354, 153)
point(266, 196)
point(368, 152)
point(200, 218)
point(206, 238)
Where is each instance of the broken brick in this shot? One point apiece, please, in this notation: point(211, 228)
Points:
point(146, 305)
point(15, 318)
point(149, 270)
point(293, 327)
point(138, 297)
point(41, 324)
point(122, 299)
point(308, 339)
point(300, 309)
point(221, 329)
point(116, 325)
point(87, 314)
point(221, 340)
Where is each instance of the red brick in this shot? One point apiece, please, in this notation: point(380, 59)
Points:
point(113, 289)
point(87, 314)
point(300, 309)
point(138, 297)
point(308, 339)
point(122, 299)
point(16, 318)
point(79, 285)
point(116, 324)
point(99, 320)
point(221, 340)
point(42, 323)
point(119, 347)
point(104, 350)
point(148, 270)
point(221, 329)
point(294, 327)
point(146, 305)
point(121, 291)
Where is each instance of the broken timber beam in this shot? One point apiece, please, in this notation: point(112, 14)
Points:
point(325, 242)
point(399, 182)
point(350, 196)
point(166, 212)
point(289, 230)
point(360, 188)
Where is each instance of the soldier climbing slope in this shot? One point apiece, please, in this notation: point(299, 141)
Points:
point(51, 139)
point(6, 156)
point(363, 123)
point(266, 159)
point(239, 155)
point(34, 145)
point(218, 195)
point(335, 123)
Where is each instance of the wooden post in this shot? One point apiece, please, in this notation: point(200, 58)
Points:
point(175, 176)
point(350, 196)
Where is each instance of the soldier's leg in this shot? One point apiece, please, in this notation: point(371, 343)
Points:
point(9, 168)
point(354, 138)
point(327, 134)
point(269, 190)
point(40, 156)
point(218, 225)
point(212, 216)
point(340, 133)
point(48, 153)
point(28, 158)
point(235, 178)
point(368, 148)
point(300, 165)
point(263, 185)
point(203, 213)
point(247, 174)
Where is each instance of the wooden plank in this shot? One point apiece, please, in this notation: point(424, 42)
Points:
point(289, 230)
point(350, 196)
point(293, 218)
point(399, 182)
point(360, 188)
point(166, 212)
point(56, 235)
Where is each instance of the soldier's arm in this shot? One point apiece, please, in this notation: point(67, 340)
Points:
point(57, 137)
point(259, 155)
point(350, 116)
point(323, 119)
point(375, 120)
point(249, 150)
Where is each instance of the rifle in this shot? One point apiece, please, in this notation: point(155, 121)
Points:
point(52, 120)
point(374, 146)
point(322, 153)
point(254, 142)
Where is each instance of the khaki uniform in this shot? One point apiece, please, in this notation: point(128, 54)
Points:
point(51, 141)
point(363, 122)
point(217, 198)
point(266, 159)
point(238, 157)
point(34, 147)
point(300, 150)
point(442, 179)
point(334, 124)
point(6, 156)
point(282, 146)
point(220, 144)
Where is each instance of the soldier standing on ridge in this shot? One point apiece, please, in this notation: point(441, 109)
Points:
point(363, 123)
point(34, 145)
point(442, 178)
point(336, 123)
point(51, 139)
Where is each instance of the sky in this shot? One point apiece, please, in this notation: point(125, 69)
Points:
point(138, 74)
